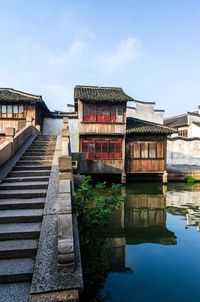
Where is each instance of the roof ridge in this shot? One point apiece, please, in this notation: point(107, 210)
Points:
point(97, 87)
point(21, 92)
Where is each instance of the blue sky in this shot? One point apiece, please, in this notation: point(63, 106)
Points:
point(149, 48)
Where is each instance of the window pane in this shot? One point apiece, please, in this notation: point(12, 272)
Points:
point(3, 108)
point(120, 110)
point(160, 150)
point(118, 147)
point(136, 150)
point(15, 109)
point(144, 150)
point(119, 114)
point(104, 147)
point(91, 147)
point(21, 109)
point(86, 109)
point(85, 147)
point(112, 147)
point(152, 150)
point(106, 110)
point(9, 109)
point(98, 148)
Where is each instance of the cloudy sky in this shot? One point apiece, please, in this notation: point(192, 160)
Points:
point(150, 48)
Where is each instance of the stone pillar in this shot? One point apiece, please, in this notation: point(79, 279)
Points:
point(123, 178)
point(164, 177)
point(10, 133)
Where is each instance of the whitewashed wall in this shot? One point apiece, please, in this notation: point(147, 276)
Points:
point(53, 126)
point(145, 111)
point(183, 151)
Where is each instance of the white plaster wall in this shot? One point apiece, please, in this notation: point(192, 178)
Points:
point(195, 130)
point(53, 126)
point(183, 152)
point(145, 112)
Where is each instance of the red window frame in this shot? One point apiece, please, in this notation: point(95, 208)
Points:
point(103, 113)
point(104, 149)
point(91, 110)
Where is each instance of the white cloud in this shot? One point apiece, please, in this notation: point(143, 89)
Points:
point(72, 54)
point(128, 50)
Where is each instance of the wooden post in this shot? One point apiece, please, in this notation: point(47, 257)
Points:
point(10, 133)
point(164, 178)
point(123, 178)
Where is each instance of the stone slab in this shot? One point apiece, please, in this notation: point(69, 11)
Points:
point(10, 204)
point(61, 296)
point(64, 186)
point(19, 230)
point(18, 292)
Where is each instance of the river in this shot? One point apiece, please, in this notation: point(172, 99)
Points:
point(157, 245)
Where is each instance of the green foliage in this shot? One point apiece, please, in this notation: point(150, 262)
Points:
point(95, 204)
point(190, 179)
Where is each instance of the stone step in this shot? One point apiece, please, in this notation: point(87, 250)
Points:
point(26, 179)
point(43, 144)
point(15, 292)
point(33, 162)
point(11, 194)
point(36, 157)
point(13, 231)
point(16, 270)
point(38, 153)
point(21, 216)
point(18, 248)
point(22, 173)
point(33, 167)
point(24, 185)
point(17, 203)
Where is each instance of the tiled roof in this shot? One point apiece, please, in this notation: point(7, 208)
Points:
point(97, 94)
point(10, 95)
point(177, 121)
point(140, 126)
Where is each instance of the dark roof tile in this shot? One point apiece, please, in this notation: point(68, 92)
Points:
point(10, 95)
point(137, 126)
point(97, 94)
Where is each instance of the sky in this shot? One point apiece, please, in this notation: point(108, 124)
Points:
point(150, 48)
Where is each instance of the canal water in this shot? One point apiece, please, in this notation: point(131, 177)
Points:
point(157, 245)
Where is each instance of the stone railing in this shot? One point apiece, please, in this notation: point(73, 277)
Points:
point(66, 253)
point(14, 141)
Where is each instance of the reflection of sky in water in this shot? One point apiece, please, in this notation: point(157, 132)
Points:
point(162, 245)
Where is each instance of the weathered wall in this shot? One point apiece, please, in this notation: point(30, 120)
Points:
point(6, 151)
point(2, 138)
point(145, 111)
point(183, 151)
point(53, 126)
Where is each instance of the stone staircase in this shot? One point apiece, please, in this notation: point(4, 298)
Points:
point(22, 199)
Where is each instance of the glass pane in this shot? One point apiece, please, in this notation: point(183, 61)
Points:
point(136, 150)
point(144, 150)
point(104, 147)
point(3, 108)
point(91, 147)
point(160, 150)
point(120, 110)
point(15, 109)
point(92, 109)
point(21, 109)
point(9, 109)
point(85, 147)
point(152, 150)
point(106, 110)
point(98, 148)
point(86, 109)
point(118, 147)
point(112, 147)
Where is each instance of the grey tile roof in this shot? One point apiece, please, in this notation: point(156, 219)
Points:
point(177, 121)
point(137, 126)
point(97, 94)
point(10, 95)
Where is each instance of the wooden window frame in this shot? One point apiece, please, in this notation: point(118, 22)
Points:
point(183, 133)
point(109, 117)
point(149, 157)
point(6, 115)
point(102, 155)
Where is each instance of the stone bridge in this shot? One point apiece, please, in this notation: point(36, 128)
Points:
point(39, 244)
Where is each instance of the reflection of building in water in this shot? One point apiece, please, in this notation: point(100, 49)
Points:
point(185, 203)
point(145, 220)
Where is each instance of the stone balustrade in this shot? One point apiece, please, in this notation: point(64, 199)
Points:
point(66, 253)
point(14, 140)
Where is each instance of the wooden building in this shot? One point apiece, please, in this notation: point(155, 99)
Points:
point(102, 128)
point(16, 106)
point(146, 146)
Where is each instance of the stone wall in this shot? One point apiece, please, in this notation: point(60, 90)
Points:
point(183, 152)
point(2, 139)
